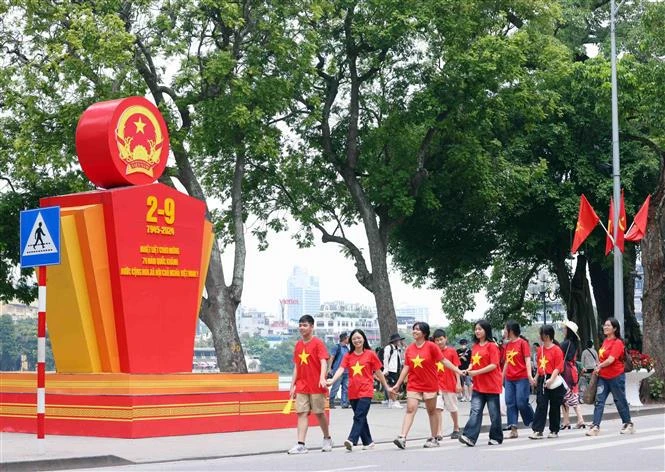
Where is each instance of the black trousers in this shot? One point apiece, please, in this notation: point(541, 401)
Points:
point(548, 398)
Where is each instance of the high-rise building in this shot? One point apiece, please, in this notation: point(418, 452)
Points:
point(305, 289)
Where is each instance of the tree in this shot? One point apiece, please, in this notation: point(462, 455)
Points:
point(383, 90)
point(9, 351)
point(219, 72)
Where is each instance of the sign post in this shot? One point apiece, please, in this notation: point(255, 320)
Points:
point(40, 246)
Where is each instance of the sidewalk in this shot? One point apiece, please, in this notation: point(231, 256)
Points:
point(25, 452)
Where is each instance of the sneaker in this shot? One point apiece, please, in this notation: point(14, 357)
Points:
point(536, 435)
point(513, 433)
point(493, 442)
point(327, 445)
point(464, 440)
point(431, 442)
point(552, 435)
point(396, 404)
point(400, 441)
point(298, 449)
point(627, 428)
point(594, 431)
point(346, 406)
point(439, 438)
point(454, 435)
point(369, 446)
point(348, 445)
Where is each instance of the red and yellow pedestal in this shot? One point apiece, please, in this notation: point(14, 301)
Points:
point(139, 406)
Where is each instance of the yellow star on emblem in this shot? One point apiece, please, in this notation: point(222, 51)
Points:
point(601, 352)
point(357, 369)
point(303, 357)
point(476, 359)
point(543, 362)
point(417, 361)
point(440, 367)
point(140, 125)
point(510, 356)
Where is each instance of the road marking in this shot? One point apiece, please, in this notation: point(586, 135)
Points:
point(614, 443)
point(662, 446)
point(536, 443)
point(350, 468)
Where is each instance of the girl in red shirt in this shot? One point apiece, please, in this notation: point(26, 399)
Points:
point(550, 386)
point(486, 374)
point(362, 365)
point(420, 361)
point(517, 378)
point(611, 378)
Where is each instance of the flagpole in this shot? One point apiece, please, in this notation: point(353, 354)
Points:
point(607, 232)
point(616, 173)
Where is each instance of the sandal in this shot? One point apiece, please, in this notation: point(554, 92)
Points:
point(566, 426)
point(580, 426)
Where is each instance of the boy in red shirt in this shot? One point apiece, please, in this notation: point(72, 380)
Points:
point(449, 384)
point(308, 386)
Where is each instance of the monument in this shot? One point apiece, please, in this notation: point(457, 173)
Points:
point(122, 305)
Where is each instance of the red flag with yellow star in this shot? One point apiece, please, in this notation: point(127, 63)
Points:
point(610, 227)
point(639, 226)
point(586, 222)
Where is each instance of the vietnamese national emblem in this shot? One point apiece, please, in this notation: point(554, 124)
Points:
point(139, 139)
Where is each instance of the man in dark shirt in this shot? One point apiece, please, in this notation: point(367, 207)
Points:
point(464, 353)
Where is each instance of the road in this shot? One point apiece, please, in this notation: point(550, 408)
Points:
point(643, 451)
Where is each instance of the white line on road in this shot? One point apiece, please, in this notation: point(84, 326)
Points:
point(614, 443)
point(536, 443)
point(350, 468)
point(662, 446)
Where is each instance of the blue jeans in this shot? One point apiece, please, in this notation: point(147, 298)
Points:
point(478, 401)
point(343, 381)
point(617, 386)
point(360, 428)
point(517, 400)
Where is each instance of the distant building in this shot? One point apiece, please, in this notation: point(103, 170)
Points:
point(304, 289)
point(411, 314)
point(18, 311)
point(252, 322)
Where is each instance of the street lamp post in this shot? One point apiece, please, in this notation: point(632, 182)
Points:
point(616, 171)
point(542, 288)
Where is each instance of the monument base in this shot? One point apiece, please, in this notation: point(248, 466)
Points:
point(139, 406)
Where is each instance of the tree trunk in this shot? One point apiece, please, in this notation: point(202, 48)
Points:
point(383, 295)
point(580, 309)
point(602, 290)
point(653, 260)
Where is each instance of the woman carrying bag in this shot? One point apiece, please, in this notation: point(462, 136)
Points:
point(550, 385)
point(571, 399)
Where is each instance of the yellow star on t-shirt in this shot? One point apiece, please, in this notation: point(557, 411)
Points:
point(440, 367)
point(476, 359)
point(510, 356)
point(303, 357)
point(601, 352)
point(357, 369)
point(417, 361)
point(543, 363)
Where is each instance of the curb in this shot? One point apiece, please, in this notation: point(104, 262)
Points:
point(109, 461)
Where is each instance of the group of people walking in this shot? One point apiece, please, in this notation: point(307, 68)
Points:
point(435, 377)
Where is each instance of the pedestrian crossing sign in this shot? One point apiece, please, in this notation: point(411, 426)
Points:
point(40, 237)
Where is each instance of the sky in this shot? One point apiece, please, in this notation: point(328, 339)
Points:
point(266, 274)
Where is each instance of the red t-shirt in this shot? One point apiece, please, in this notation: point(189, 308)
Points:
point(447, 378)
point(361, 368)
point(515, 353)
point(422, 367)
point(549, 359)
point(615, 348)
point(482, 356)
point(307, 358)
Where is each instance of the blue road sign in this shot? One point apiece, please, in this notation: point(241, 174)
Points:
point(40, 237)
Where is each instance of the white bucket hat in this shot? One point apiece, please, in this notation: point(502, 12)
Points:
point(571, 325)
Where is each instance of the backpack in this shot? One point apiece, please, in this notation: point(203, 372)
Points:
point(379, 353)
